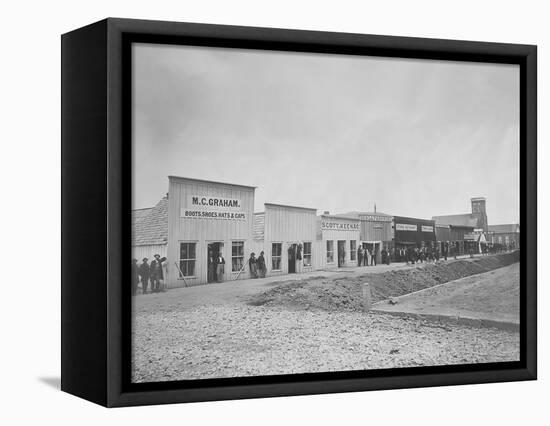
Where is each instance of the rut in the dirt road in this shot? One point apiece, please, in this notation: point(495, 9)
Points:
point(346, 294)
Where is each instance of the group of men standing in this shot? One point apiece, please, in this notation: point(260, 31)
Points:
point(367, 256)
point(148, 272)
point(427, 254)
point(257, 266)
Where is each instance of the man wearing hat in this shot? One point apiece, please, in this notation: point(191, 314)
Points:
point(156, 272)
point(135, 276)
point(144, 271)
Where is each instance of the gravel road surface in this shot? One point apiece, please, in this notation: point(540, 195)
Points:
point(229, 341)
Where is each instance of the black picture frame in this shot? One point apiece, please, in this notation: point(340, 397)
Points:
point(96, 134)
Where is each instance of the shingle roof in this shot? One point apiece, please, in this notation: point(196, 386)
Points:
point(152, 227)
point(467, 219)
point(504, 229)
point(139, 214)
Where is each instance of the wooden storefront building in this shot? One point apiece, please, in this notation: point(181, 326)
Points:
point(413, 232)
point(340, 236)
point(288, 237)
point(205, 220)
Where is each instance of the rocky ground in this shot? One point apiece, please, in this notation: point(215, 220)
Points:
point(311, 325)
point(231, 341)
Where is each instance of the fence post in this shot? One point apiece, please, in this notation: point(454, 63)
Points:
point(367, 297)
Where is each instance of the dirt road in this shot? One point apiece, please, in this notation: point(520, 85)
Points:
point(218, 331)
point(230, 341)
point(492, 296)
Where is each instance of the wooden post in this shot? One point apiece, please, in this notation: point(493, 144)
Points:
point(181, 274)
point(367, 297)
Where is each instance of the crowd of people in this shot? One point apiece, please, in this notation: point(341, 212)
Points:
point(148, 273)
point(151, 275)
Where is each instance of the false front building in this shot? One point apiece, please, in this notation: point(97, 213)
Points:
point(209, 224)
point(287, 235)
point(376, 231)
point(413, 232)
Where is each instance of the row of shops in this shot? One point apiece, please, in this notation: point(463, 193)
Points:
point(208, 230)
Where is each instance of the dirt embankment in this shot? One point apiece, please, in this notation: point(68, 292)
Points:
point(346, 294)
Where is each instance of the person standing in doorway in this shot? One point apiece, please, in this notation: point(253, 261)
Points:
point(211, 267)
point(373, 256)
point(144, 272)
point(220, 267)
point(359, 256)
point(261, 265)
point(135, 276)
point(157, 275)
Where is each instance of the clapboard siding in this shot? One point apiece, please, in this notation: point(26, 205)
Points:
point(204, 230)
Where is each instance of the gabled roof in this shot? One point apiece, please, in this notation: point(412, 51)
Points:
point(152, 227)
point(467, 220)
point(504, 229)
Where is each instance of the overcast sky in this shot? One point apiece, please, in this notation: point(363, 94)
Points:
point(333, 132)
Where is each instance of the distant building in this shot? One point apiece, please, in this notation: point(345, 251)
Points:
point(507, 235)
point(477, 219)
point(464, 231)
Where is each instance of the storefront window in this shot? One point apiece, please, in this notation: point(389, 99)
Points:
point(187, 259)
point(330, 251)
point(237, 255)
point(307, 254)
point(276, 250)
point(353, 250)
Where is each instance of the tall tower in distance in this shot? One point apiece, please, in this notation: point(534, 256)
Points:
point(479, 211)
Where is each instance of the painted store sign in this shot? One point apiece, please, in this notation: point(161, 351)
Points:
point(207, 207)
point(339, 226)
point(405, 227)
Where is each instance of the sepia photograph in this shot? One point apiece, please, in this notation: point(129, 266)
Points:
point(298, 212)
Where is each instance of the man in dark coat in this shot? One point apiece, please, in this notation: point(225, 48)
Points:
point(211, 267)
point(144, 272)
point(261, 265)
point(135, 276)
point(253, 266)
point(220, 267)
point(157, 275)
point(359, 256)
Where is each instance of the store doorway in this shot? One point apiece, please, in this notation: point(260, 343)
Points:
point(292, 248)
point(341, 253)
point(373, 248)
point(215, 273)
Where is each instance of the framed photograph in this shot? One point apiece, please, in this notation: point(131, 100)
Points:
point(256, 212)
